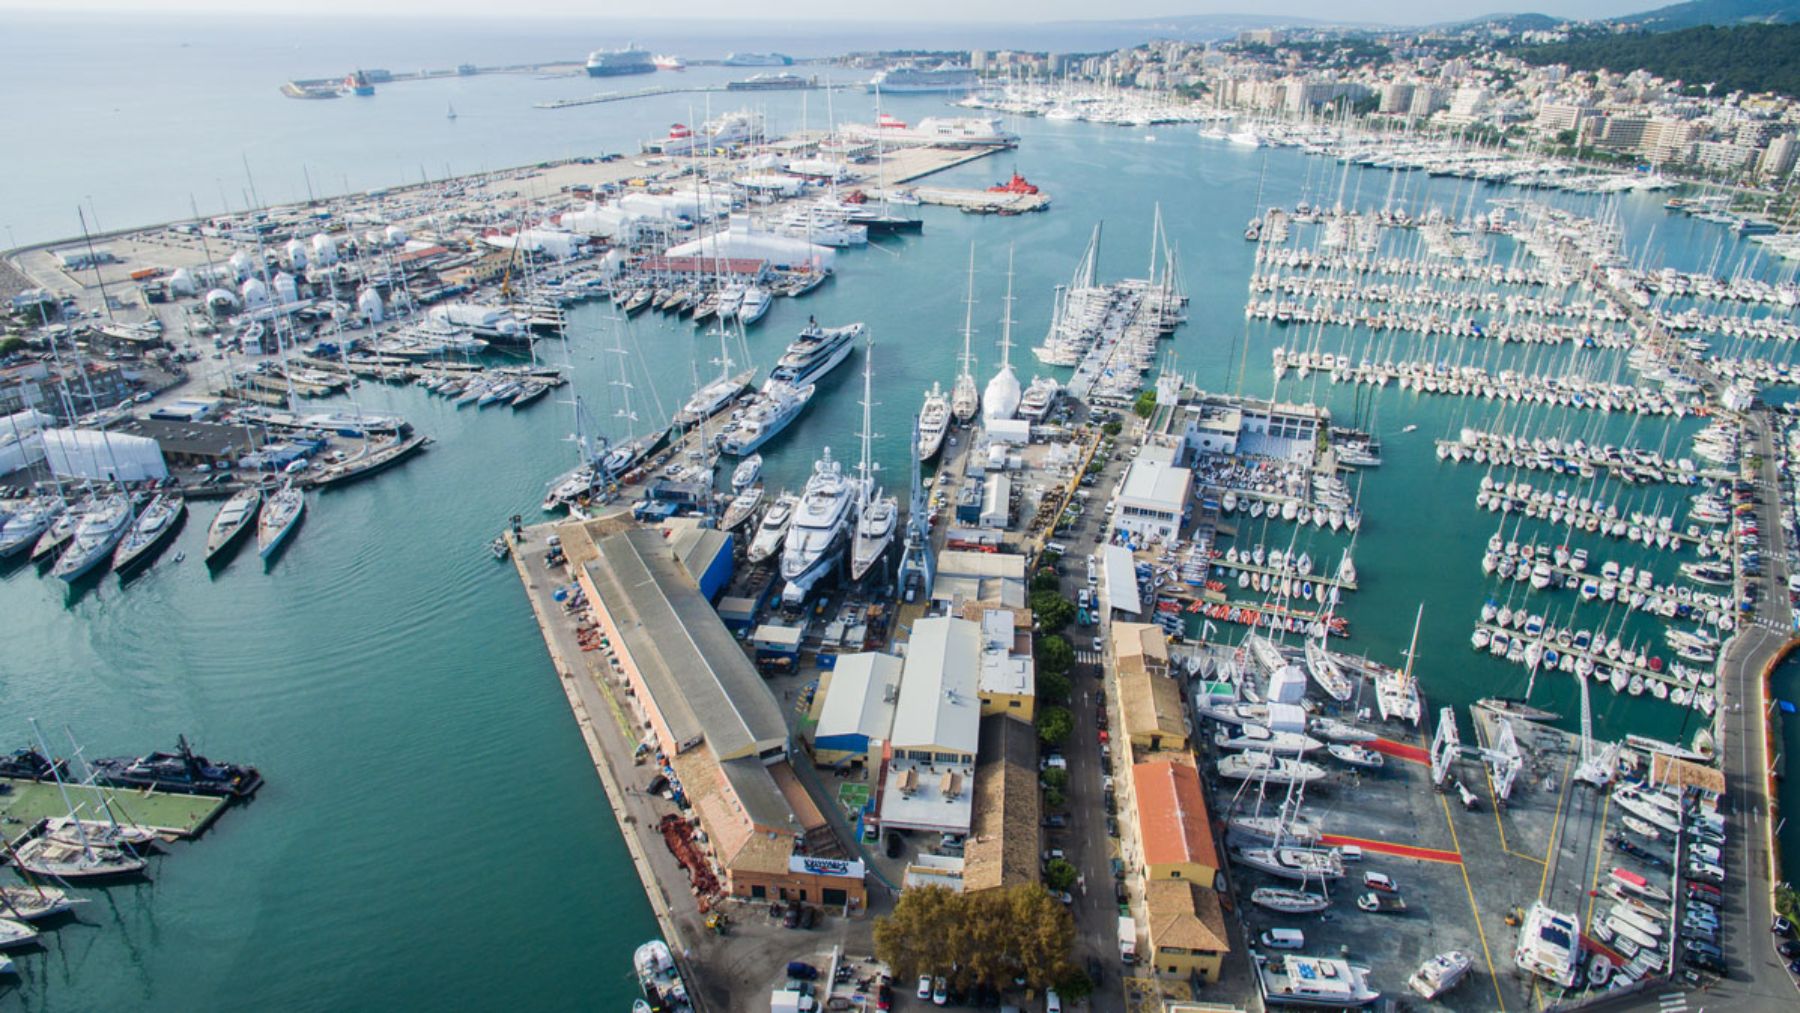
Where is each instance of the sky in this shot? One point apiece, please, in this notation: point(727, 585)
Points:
point(943, 11)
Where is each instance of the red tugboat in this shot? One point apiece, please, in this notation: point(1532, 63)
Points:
point(1017, 184)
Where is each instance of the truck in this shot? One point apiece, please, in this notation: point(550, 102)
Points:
point(787, 1000)
point(1127, 939)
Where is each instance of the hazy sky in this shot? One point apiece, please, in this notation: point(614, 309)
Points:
point(1389, 11)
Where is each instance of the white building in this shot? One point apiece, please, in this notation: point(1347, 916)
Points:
point(931, 771)
point(1154, 495)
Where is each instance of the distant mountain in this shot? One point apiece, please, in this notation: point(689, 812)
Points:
point(1514, 22)
point(1713, 12)
point(1751, 58)
point(1203, 27)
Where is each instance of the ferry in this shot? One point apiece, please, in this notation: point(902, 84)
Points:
point(721, 131)
point(618, 62)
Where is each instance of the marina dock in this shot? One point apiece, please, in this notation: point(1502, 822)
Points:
point(168, 814)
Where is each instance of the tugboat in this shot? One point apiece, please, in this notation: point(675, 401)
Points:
point(181, 771)
point(1017, 184)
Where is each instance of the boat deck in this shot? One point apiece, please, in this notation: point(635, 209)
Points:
point(169, 814)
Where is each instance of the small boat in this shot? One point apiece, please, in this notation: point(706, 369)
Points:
point(1291, 902)
point(1356, 756)
point(103, 833)
point(232, 520)
point(1441, 973)
point(32, 902)
point(1334, 730)
point(748, 471)
point(500, 548)
point(529, 391)
point(279, 515)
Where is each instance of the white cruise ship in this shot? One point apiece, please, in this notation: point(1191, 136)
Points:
point(939, 131)
point(917, 79)
point(821, 524)
point(617, 62)
point(762, 416)
point(816, 352)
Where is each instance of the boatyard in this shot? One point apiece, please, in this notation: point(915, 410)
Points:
point(1358, 604)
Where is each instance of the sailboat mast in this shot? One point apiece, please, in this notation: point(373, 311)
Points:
point(969, 316)
point(865, 476)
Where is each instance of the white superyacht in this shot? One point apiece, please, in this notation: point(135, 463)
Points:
point(820, 527)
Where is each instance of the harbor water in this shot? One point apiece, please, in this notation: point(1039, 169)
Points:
point(432, 832)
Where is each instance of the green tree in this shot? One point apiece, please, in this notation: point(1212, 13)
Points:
point(1074, 986)
point(1052, 610)
point(1052, 687)
point(1056, 777)
point(1059, 874)
point(1048, 559)
point(10, 345)
point(1054, 798)
point(919, 937)
point(1046, 580)
point(1145, 404)
point(1054, 655)
point(1054, 725)
point(1113, 428)
point(1043, 936)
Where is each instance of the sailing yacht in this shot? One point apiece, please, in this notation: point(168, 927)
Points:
point(232, 520)
point(96, 534)
point(934, 422)
point(878, 516)
point(965, 402)
point(817, 534)
point(57, 535)
point(23, 529)
point(1001, 400)
point(279, 515)
point(153, 529)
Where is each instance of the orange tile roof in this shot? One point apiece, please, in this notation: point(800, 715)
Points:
point(1172, 820)
point(1185, 915)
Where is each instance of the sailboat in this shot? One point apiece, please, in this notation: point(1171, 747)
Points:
point(878, 516)
point(232, 521)
point(279, 516)
point(96, 534)
point(965, 401)
point(23, 529)
point(152, 530)
point(52, 857)
point(1001, 399)
point(451, 114)
point(34, 901)
point(1397, 693)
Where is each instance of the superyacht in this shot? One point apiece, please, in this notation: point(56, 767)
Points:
point(23, 529)
point(816, 352)
point(152, 530)
point(934, 422)
point(1001, 399)
point(819, 529)
point(232, 520)
point(764, 414)
point(769, 534)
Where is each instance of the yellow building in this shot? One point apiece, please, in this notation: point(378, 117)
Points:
point(1187, 929)
point(1175, 833)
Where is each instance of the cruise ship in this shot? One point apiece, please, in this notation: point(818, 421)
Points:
point(816, 536)
point(939, 131)
point(617, 62)
point(917, 79)
point(763, 415)
point(816, 352)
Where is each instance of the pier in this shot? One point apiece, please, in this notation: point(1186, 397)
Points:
point(167, 814)
point(984, 202)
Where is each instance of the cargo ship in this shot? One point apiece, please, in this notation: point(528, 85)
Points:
point(357, 83)
point(617, 62)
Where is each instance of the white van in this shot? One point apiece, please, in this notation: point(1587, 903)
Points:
point(1349, 853)
point(1284, 939)
point(1057, 547)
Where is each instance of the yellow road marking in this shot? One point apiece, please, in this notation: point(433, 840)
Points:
point(1599, 842)
point(1473, 907)
point(1555, 822)
point(1494, 797)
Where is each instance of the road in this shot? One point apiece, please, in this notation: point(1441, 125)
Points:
point(1757, 978)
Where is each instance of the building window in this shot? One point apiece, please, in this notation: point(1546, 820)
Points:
point(1174, 873)
point(1014, 704)
point(759, 892)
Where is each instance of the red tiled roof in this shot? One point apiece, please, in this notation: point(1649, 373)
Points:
point(1172, 818)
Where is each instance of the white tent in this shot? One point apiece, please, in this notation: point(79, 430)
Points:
point(740, 241)
point(324, 250)
point(96, 454)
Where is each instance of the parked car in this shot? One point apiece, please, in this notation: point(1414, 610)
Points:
point(1704, 852)
point(940, 992)
point(1781, 926)
point(1378, 881)
point(802, 970)
point(1706, 871)
point(1714, 965)
point(1704, 891)
point(1703, 948)
point(924, 986)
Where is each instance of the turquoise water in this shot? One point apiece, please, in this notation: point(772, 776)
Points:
point(433, 833)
